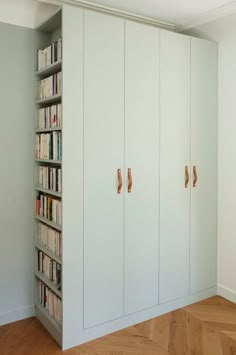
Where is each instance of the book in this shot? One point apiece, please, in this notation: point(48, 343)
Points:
point(50, 117)
point(48, 146)
point(50, 54)
point(50, 301)
point(50, 268)
point(49, 208)
point(50, 86)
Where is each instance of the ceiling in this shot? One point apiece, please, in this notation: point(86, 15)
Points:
point(173, 11)
point(182, 13)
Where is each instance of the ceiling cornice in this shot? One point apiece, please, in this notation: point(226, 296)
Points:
point(113, 11)
point(208, 16)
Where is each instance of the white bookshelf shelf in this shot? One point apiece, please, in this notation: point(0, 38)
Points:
point(49, 100)
point(58, 162)
point(49, 253)
point(50, 69)
point(48, 223)
point(49, 317)
point(49, 192)
point(43, 130)
point(48, 283)
point(49, 322)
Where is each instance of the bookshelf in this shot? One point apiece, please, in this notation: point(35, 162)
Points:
point(49, 100)
point(45, 314)
point(49, 161)
point(47, 191)
point(48, 145)
point(49, 223)
point(47, 251)
point(44, 130)
point(47, 282)
point(49, 69)
point(67, 167)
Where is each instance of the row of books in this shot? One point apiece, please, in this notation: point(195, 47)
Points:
point(50, 301)
point(50, 178)
point(48, 145)
point(50, 117)
point(50, 54)
point(50, 238)
point(50, 86)
point(49, 208)
point(50, 268)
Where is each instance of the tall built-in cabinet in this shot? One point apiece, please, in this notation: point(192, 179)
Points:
point(139, 118)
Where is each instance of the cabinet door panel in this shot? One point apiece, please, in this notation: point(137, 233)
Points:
point(204, 157)
point(142, 156)
point(103, 155)
point(174, 156)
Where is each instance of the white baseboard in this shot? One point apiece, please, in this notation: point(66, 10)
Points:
point(16, 314)
point(226, 293)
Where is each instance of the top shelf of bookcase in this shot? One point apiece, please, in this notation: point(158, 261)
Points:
point(52, 23)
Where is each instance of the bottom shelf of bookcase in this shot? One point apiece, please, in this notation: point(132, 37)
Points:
point(49, 323)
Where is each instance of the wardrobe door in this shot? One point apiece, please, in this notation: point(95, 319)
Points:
point(174, 165)
point(103, 155)
point(204, 158)
point(142, 157)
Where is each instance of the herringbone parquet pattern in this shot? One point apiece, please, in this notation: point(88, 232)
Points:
point(204, 328)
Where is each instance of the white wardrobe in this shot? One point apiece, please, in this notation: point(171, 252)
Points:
point(121, 131)
point(188, 165)
point(139, 172)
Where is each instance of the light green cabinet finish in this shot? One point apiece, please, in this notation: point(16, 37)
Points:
point(142, 156)
point(203, 253)
point(188, 216)
point(134, 97)
point(174, 156)
point(103, 155)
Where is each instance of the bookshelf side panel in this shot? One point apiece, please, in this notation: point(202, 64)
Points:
point(72, 185)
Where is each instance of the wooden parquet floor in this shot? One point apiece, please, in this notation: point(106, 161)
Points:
point(203, 328)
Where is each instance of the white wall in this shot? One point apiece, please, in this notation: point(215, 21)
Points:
point(16, 158)
point(16, 172)
point(224, 32)
point(26, 13)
